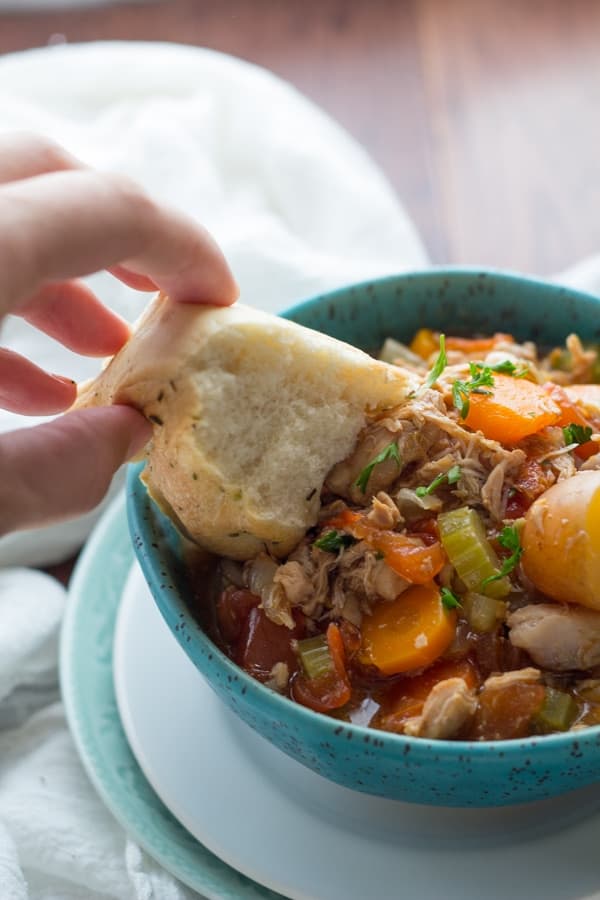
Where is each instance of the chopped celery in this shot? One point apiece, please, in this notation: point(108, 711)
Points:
point(557, 712)
point(470, 552)
point(315, 656)
point(481, 612)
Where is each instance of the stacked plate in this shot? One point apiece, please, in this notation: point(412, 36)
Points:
point(233, 817)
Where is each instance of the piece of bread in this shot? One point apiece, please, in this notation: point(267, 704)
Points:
point(250, 413)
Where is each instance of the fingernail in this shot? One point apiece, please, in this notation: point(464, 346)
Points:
point(64, 380)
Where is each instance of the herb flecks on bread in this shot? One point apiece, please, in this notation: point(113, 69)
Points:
point(250, 412)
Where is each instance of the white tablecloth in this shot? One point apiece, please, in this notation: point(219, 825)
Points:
point(299, 208)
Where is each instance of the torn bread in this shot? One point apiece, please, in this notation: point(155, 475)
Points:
point(250, 413)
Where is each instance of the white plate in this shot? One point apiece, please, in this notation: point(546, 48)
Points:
point(297, 833)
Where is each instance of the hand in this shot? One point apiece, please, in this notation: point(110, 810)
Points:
point(60, 221)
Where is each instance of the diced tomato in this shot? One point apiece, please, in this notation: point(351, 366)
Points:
point(263, 643)
point(404, 554)
point(506, 712)
point(516, 506)
point(533, 479)
point(233, 607)
point(427, 530)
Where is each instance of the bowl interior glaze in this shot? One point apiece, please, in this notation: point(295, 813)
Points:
point(449, 773)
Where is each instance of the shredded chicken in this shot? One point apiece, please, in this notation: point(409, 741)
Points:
point(303, 581)
point(384, 512)
point(547, 448)
point(364, 579)
point(429, 443)
point(279, 677)
point(449, 706)
point(557, 637)
point(529, 675)
point(407, 426)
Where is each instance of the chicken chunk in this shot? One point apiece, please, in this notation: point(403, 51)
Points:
point(528, 675)
point(449, 706)
point(557, 637)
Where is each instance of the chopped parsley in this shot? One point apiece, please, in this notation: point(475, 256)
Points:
point(389, 452)
point(577, 434)
point(439, 365)
point(481, 377)
point(449, 599)
point(333, 541)
point(451, 476)
point(506, 367)
point(509, 539)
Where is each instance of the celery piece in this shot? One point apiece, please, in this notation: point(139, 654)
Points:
point(470, 552)
point(557, 712)
point(481, 612)
point(315, 656)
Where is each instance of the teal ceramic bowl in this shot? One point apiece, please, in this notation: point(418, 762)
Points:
point(449, 773)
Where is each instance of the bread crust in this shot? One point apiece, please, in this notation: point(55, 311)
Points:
point(250, 412)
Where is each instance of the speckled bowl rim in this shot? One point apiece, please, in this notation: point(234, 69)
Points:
point(137, 498)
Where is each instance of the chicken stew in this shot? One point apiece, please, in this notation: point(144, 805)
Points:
point(451, 588)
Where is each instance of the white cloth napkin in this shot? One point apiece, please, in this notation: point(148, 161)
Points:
point(299, 208)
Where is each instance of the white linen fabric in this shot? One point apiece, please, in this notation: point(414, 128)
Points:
point(298, 208)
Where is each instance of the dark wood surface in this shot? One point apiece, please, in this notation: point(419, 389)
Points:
point(482, 113)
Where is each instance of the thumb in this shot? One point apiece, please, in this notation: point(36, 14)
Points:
point(63, 468)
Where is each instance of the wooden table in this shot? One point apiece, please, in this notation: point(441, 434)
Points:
point(482, 113)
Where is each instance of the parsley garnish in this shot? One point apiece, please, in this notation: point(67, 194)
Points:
point(389, 452)
point(451, 476)
point(509, 539)
point(449, 599)
point(481, 377)
point(332, 541)
point(507, 367)
point(439, 365)
point(577, 434)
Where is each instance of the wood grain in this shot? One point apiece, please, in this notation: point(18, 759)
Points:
point(482, 113)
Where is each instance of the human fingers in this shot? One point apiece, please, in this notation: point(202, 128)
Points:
point(133, 279)
point(23, 155)
point(70, 312)
point(64, 468)
point(27, 389)
point(68, 224)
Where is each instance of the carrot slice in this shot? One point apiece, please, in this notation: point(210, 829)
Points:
point(425, 343)
point(404, 554)
point(409, 633)
point(514, 409)
point(478, 345)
